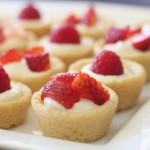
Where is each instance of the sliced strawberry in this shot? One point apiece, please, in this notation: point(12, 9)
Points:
point(64, 77)
point(34, 50)
point(60, 92)
point(4, 80)
point(114, 35)
point(2, 36)
point(65, 34)
point(38, 63)
point(90, 17)
point(11, 55)
point(87, 87)
point(107, 63)
point(141, 42)
point(72, 19)
point(29, 13)
point(135, 31)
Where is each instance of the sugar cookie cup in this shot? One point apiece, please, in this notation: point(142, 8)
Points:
point(127, 86)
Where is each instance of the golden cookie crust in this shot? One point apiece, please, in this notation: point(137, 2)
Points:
point(127, 88)
point(83, 126)
point(14, 112)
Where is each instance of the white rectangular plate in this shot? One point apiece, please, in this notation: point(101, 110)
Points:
point(126, 128)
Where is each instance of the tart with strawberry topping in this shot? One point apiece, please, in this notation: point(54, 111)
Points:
point(15, 99)
point(89, 24)
point(77, 103)
point(125, 77)
point(14, 37)
point(66, 43)
point(132, 44)
point(32, 67)
point(31, 20)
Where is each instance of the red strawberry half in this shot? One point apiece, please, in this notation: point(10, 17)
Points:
point(107, 63)
point(29, 13)
point(68, 88)
point(11, 55)
point(141, 42)
point(90, 17)
point(60, 92)
point(66, 34)
point(4, 80)
point(87, 87)
point(64, 77)
point(114, 35)
point(38, 63)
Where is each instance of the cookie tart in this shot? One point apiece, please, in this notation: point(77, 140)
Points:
point(90, 24)
point(128, 43)
point(31, 20)
point(14, 37)
point(33, 67)
point(15, 99)
point(74, 106)
point(66, 43)
point(125, 77)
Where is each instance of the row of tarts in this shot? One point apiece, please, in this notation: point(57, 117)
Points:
point(107, 67)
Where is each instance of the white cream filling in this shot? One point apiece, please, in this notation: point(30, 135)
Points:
point(122, 47)
point(86, 43)
point(12, 94)
point(81, 105)
point(87, 69)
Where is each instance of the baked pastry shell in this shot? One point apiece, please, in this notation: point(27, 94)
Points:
point(14, 112)
point(127, 88)
point(83, 126)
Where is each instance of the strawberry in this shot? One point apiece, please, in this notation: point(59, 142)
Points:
point(2, 36)
point(90, 17)
point(72, 19)
point(141, 42)
point(107, 63)
point(4, 80)
point(87, 87)
point(114, 35)
point(135, 31)
point(34, 50)
point(60, 92)
point(64, 77)
point(29, 13)
point(38, 63)
point(11, 55)
point(66, 34)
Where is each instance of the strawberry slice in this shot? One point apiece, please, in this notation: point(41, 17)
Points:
point(141, 42)
point(90, 17)
point(38, 63)
point(107, 63)
point(34, 50)
point(2, 36)
point(11, 55)
point(66, 34)
point(87, 87)
point(60, 92)
point(4, 80)
point(29, 13)
point(114, 35)
point(64, 77)
point(134, 32)
point(72, 19)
